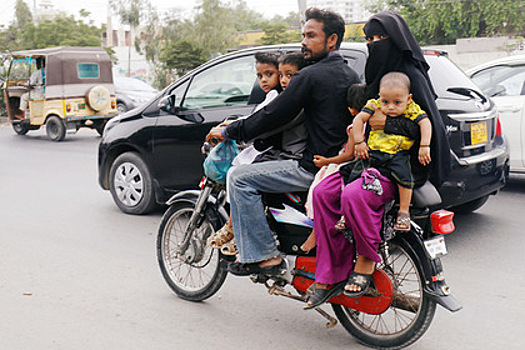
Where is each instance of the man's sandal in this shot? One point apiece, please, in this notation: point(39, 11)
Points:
point(225, 234)
point(363, 281)
point(229, 248)
point(402, 222)
point(247, 269)
point(319, 296)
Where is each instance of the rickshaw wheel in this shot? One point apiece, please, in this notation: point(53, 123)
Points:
point(55, 128)
point(99, 126)
point(20, 129)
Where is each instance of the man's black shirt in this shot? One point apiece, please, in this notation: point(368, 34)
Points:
point(320, 89)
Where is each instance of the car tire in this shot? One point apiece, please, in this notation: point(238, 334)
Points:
point(55, 128)
point(471, 206)
point(131, 185)
point(121, 108)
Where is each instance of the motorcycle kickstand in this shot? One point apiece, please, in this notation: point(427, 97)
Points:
point(332, 321)
point(278, 290)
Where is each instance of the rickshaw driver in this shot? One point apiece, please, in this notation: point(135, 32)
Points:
point(36, 84)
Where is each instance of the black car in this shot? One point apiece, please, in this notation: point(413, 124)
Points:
point(150, 153)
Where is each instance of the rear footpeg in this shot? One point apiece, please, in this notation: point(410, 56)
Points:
point(278, 290)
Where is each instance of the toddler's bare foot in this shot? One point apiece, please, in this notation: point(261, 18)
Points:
point(309, 244)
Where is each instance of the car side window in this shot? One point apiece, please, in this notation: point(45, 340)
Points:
point(153, 109)
point(501, 80)
point(226, 84)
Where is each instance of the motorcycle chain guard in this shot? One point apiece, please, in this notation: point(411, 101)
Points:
point(373, 305)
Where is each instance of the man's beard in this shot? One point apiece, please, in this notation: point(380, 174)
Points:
point(317, 57)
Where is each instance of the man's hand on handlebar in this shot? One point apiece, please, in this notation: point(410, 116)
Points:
point(215, 135)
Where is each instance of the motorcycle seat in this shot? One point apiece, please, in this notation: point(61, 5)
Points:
point(426, 196)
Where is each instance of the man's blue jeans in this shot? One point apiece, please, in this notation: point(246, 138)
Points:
point(252, 234)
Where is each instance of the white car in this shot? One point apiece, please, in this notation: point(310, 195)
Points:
point(504, 81)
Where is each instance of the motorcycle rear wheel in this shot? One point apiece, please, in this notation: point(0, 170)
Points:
point(197, 274)
point(409, 316)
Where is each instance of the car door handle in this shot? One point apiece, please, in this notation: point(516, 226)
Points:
point(510, 109)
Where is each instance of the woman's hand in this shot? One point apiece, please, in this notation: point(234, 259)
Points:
point(320, 161)
point(377, 120)
point(424, 155)
point(215, 134)
point(361, 150)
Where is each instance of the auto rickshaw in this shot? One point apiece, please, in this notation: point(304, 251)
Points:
point(63, 88)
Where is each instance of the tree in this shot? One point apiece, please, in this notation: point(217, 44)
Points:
point(182, 56)
point(277, 34)
point(130, 12)
point(442, 22)
point(23, 14)
point(214, 27)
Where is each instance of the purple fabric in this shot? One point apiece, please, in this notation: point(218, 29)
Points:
point(363, 210)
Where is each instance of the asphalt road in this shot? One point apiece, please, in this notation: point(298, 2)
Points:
point(76, 273)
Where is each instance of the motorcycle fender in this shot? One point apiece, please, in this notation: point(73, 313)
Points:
point(431, 270)
point(191, 196)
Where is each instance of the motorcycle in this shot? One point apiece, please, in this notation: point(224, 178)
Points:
point(408, 283)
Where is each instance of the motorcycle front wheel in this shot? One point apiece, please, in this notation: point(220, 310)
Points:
point(408, 317)
point(195, 274)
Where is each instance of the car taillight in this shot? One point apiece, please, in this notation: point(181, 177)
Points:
point(498, 127)
point(442, 222)
point(113, 104)
point(431, 52)
point(68, 107)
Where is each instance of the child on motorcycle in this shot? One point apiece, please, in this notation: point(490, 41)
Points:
point(272, 75)
point(390, 151)
point(355, 99)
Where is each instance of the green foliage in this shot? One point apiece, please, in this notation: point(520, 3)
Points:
point(129, 11)
point(277, 33)
point(444, 21)
point(182, 56)
point(23, 14)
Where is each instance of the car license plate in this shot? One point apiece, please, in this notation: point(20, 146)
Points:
point(478, 133)
point(436, 247)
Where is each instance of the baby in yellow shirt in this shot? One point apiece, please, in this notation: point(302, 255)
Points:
point(390, 152)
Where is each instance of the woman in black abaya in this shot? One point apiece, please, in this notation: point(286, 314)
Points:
point(392, 47)
point(396, 50)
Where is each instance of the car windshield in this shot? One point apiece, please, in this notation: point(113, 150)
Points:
point(444, 74)
point(131, 84)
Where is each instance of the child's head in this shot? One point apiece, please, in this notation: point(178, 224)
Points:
point(356, 98)
point(267, 67)
point(394, 93)
point(290, 64)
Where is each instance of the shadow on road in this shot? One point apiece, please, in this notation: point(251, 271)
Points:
point(516, 184)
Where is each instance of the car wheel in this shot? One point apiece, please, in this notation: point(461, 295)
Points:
point(121, 108)
point(131, 185)
point(55, 128)
point(471, 206)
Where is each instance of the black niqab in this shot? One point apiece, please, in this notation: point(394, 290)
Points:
point(400, 52)
point(401, 46)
